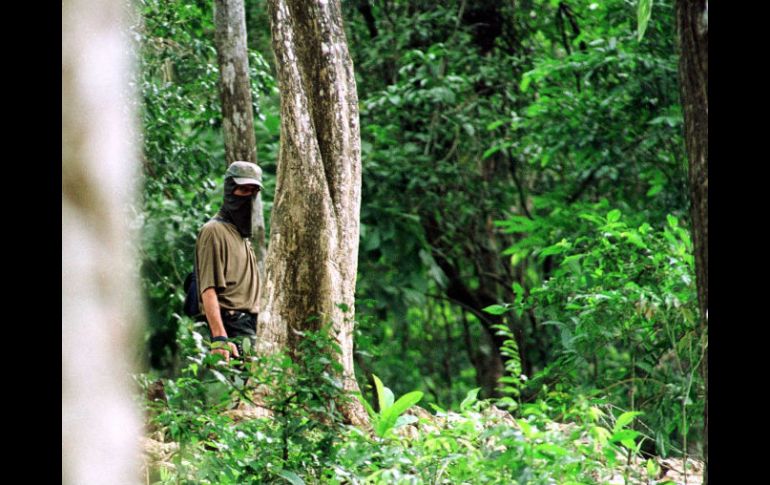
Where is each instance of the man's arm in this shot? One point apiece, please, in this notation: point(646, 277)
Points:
point(214, 317)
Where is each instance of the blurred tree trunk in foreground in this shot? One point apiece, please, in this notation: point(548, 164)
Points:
point(100, 310)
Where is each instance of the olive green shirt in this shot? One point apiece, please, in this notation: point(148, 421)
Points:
point(225, 261)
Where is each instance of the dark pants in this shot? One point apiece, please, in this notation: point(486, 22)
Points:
point(239, 325)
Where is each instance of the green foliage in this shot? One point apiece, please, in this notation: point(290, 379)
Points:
point(390, 413)
point(478, 444)
point(603, 108)
point(456, 135)
point(512, 382)
point(423, 130)
point(424, 348)
point(301, 436)
point(624, 306)
point(481, 444)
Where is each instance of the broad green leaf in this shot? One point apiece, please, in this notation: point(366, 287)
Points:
point(491, 151)
point(624, 419)
point(495, 309)
point(507, 402)
point(368, 407)
point(636, 240)
point(558, 248)
point(624, 435)
point(405, 419)
point(610, 454)
point(573, 261)
point(655, 189)
point(437, 408)
point(511, 390)
point(384, 395)
point(643, 13)
point(613, 215)
point(380, 392)
point(388, 398)
point(406, 401)
point(390, 415)
point(592, 218)
point(652, 468)
point(470, 398)
point(628, 443)
point(291, 477)
point(518, 291)
point(219, 376)
point(672, 221)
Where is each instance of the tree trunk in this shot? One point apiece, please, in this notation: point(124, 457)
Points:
point(100, 304)
point(313, 252)
point(692, 26)
point(237, 111)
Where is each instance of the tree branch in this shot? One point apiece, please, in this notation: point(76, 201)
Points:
point(519, 187)
point(365, 9)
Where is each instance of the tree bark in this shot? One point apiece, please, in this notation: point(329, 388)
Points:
point(313, 252)
point(234, 85)
point(237, 111)
point(692, 27)
point(100, 303)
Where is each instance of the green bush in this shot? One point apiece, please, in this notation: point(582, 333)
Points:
point(305, 441)
point(623, 304)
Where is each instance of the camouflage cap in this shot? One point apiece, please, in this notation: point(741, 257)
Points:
point(244, 173)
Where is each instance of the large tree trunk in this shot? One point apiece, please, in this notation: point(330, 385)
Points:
point(313, 253)
point(100, 310)
point(237, 111)
point(692, 25)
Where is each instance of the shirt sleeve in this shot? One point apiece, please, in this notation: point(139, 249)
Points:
point(210, 259)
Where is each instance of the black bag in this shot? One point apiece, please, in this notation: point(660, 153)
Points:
point(191, 306)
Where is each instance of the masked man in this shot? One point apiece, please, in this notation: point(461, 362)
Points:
point(225, 264)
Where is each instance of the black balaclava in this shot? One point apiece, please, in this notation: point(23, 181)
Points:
point(237, 209)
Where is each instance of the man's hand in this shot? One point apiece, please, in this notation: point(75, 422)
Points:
point(225, 352)
point(214, 317)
